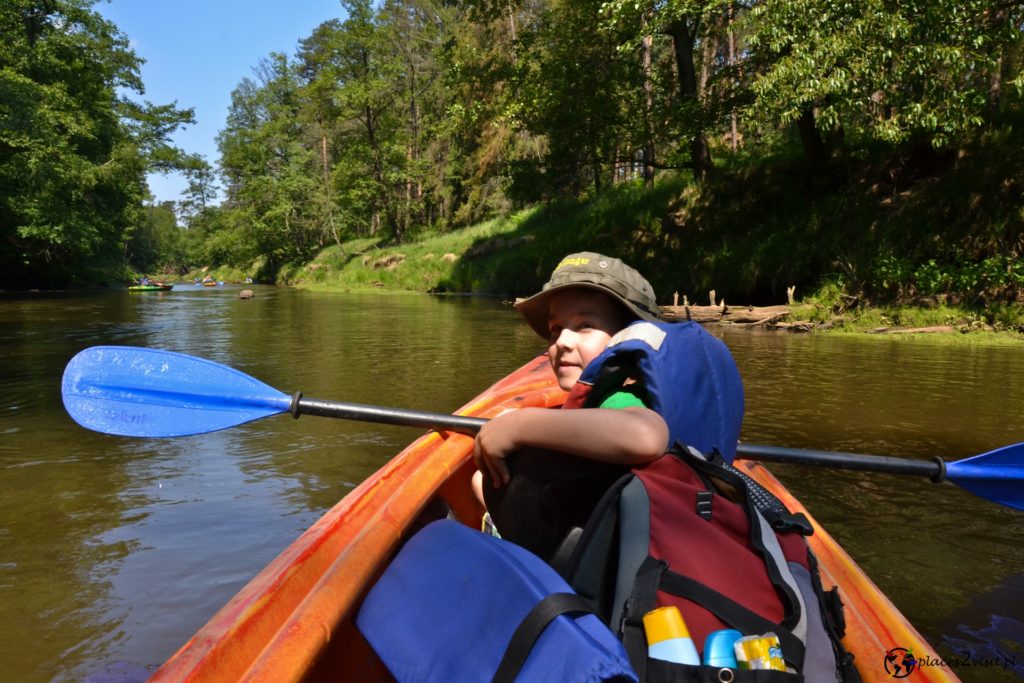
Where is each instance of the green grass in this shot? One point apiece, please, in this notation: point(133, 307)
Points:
point(970, 338)
point(425, 265)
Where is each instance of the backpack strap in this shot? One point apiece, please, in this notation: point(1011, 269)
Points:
point(766, 502)
point(641, 601)
point(530, 628)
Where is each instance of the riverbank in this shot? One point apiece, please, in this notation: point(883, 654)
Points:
point(917, 240)
point(512, 256)
point(434, 264)
point(941, 324)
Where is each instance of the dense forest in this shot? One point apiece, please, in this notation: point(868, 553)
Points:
point(873, 144)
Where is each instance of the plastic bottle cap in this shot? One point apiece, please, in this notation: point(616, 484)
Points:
point(664, 623)
point(718, 647)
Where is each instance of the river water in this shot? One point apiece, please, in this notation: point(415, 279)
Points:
point(115, 550)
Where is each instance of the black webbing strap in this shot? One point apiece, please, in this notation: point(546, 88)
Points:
point(531, 627)
point(734, 614)
point(641, 601)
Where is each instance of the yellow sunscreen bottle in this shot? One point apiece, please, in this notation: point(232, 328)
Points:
point(668, 638)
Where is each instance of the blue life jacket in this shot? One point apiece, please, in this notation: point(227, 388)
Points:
point(689, 375)
point(459, 605)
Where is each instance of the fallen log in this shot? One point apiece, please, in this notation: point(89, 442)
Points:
point(745, 315)
point(770, 320)
point(932, 329)
point(796, 326)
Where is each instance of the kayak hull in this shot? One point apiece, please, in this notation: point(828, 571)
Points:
point(295, 620)
point(150, 288)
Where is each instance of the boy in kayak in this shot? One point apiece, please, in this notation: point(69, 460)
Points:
point(587, 300)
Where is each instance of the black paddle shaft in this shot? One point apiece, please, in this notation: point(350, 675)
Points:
point(392, 416)
point(934, 469)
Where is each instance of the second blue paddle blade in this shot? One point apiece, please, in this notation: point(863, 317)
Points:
point(132, 391)
point(997, 475)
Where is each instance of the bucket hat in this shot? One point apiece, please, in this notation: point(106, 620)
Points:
point(592, 271)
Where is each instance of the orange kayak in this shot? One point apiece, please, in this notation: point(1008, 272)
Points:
point(295, 620)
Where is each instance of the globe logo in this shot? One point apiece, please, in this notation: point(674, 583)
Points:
point(900, 662)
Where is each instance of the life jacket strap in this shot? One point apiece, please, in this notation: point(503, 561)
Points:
point(532, 626)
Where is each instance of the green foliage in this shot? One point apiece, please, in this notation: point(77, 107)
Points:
point(579, 92)
point(157, 244)
point(891, 72)
point(73, 151)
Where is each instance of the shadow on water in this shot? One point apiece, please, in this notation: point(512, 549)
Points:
point(988, 633)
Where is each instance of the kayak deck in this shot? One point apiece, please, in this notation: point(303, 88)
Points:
point(295, 620)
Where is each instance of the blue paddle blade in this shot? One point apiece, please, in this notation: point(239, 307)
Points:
point(997, 475)
point(131, 391)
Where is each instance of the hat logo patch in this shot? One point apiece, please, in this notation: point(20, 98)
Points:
point(577, 261)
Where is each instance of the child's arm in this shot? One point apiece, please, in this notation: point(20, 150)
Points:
point(631, 436)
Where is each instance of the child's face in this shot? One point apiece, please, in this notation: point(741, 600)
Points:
point(580, 323)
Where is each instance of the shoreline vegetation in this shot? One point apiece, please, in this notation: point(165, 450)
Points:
point(492, 258)
point(861, 163)
point(703, 248)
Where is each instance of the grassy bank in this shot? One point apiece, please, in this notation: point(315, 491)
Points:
point(513, 256)
point(922, 240)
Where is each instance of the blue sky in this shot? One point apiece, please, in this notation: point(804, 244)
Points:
point(197, 51)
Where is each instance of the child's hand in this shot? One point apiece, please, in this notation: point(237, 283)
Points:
point(495, 441)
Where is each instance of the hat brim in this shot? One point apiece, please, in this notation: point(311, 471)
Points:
point(535, 308)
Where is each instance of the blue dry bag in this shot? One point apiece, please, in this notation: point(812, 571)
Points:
point(459, 605)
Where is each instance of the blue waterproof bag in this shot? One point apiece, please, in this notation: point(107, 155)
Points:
point(459, 605)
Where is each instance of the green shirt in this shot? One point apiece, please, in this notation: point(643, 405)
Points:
point(629, 396)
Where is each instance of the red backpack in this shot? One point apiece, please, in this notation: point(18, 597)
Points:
point(687, 532)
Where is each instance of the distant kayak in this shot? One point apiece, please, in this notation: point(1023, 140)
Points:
point(151, 287)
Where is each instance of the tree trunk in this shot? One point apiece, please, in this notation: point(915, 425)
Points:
point(733, 118)
point(512, 21)
point(325, 162)
point(647, 47)
point(709, 48)
point(595, 162)
point(390, 219)
point(995, 82)
point(814, 148)
point(413, 190)
point(683, 34)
